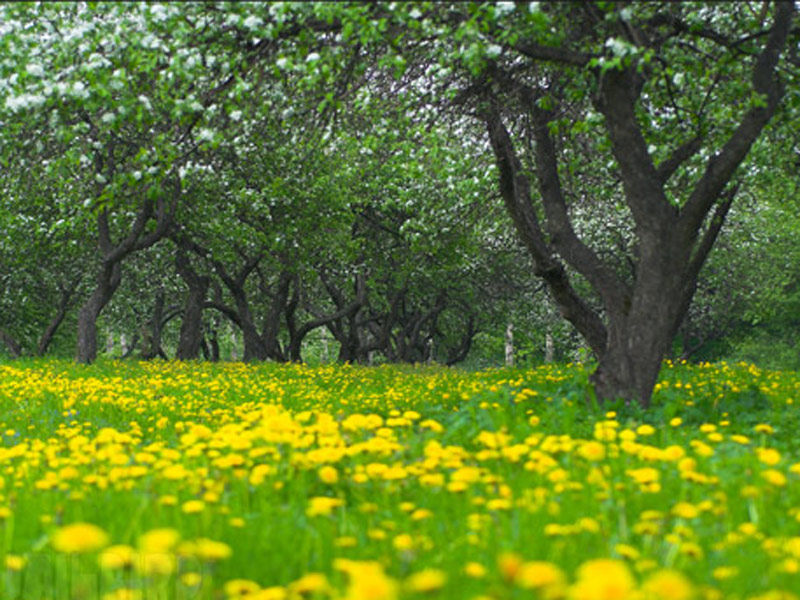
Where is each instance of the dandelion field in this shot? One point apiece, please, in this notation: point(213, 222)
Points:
point(207, 481)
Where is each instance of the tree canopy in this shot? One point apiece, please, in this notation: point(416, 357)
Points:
point(398, 178)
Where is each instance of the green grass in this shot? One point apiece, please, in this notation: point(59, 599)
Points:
point(443, 473)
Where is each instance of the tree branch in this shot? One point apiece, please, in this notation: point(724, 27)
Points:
point(679, 155)
point(515, 189)
point(721, 166)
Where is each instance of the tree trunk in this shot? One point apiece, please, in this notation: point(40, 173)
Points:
point(107, 282)
point(64, 302)
point(633, 333)
point(548, 349)
point(272, 321)
point(13, 346)
point(152, 346)
point(234, 346)
point(191, 335)
point(510, 345)
point(325, 356)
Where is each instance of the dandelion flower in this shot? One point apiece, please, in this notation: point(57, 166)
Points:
point(79, 538)
point(427, 580)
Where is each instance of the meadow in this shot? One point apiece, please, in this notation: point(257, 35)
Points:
point(144, 480)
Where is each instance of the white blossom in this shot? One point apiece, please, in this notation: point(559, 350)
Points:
point(78, 90)
point(618, 47)
point(504, 7)
point(205, 135)
point(236, 115)
point(312, 57)
point(494, 50)
point(35, 69)
point(252, 22)
point(22, 101)
point(158, 12)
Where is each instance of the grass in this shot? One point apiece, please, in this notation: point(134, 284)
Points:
point(193, 480)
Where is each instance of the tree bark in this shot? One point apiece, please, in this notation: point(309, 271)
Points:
point(509, 345)
point(108, 280)
point(191, 335)
point(13, 346)
point(151, 337)
point(64, 301)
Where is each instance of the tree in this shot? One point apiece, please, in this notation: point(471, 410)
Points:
point(673, 95)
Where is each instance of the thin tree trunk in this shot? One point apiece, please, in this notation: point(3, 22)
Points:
point(548, 348)
point(510, 345)
point(151, 347)
point(64, 301)
point(234, 345)
point(107, 282)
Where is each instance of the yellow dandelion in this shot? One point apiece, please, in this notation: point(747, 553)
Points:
point(774, 477)
point(15, 562)
point(322, 505)
point(240, 588)
point(592, 451)
point(212, 550)
point(311, 583)
point(685, 510)
point(159, 540)
point(603, 579)
point(540, 575)
point(117, 557)
point(192, 507)
point(79, 538)
point(768, 456)
point(403, 542)
point(427, 580)
point(475, 570)
point(328, 474)
point(123, 594)
point(725, 572)
point(667, 585)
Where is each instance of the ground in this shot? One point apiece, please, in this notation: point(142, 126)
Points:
point(191, 480)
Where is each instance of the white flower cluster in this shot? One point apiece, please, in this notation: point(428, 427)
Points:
point(23, 101)
point(205, 135)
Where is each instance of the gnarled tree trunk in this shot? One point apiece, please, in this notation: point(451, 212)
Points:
point(108, 280)
point(641, 318)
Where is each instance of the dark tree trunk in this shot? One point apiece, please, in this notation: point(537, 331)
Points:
point(641, 319)
point(345, 310)
point(459, 353)
point(162, 211)
point(151, 330)
point(191, 335)
point(213, 343)
point(272, 321)
point(107, 283)
point(66, 294)
point(13, 346)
